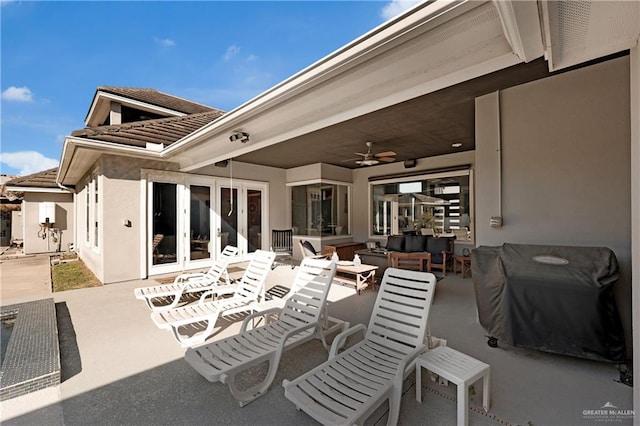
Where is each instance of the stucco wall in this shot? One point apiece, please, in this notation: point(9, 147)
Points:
point(33, 233)
point(121, 247)
point(565, 176)
point(117, 257)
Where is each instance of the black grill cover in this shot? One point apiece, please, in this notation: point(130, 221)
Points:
point(551, 298)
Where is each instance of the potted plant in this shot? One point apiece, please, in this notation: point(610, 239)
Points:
point(427, 224)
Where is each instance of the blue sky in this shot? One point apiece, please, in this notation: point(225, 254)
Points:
point(55, 54)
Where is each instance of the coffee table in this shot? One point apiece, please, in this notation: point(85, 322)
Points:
point(360, 276)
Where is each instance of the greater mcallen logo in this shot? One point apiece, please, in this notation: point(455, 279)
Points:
point(608, 413)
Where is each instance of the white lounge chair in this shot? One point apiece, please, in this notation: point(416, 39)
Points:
point(188, 283)
point(194, 316)
point(307, 270)
point(298, 322)
point(351, 385)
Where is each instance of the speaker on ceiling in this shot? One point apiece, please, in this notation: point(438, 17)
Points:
point(410, 163)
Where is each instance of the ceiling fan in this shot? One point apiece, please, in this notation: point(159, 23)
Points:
point(370, 159)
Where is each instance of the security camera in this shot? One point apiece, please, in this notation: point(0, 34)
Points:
point(242, 136)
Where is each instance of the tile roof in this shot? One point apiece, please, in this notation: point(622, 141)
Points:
point(160, 130)
point(44, 179)
point(154, 97)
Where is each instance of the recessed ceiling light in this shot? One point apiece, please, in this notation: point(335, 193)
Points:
point(456, 145)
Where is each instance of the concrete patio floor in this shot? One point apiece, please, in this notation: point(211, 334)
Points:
point(127, 371)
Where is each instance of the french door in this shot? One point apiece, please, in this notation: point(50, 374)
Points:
point(192, 219)
point(242, 215)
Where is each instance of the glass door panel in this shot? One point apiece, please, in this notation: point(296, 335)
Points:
point(199, 222)
point(228, 230)
point(164, 226)
point(254, 219)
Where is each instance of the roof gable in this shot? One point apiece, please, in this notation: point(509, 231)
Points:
point(155, 97)
point(158, 131)
point(150, 102)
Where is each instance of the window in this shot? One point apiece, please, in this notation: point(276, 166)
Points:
point(87, 188)
point(320, 209)
point(96, 210)
point(439, 203)
point(92, 211)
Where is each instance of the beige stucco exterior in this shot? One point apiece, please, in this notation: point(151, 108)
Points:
point(57, 237)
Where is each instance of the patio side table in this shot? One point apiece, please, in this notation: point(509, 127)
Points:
point(458, 368)
point(465, 265)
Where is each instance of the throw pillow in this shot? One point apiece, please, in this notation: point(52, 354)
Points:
point(414, 243)
point(395, 243)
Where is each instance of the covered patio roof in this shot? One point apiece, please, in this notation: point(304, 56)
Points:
point(408, 86)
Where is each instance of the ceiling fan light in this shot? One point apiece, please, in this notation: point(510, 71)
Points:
point(369, 162)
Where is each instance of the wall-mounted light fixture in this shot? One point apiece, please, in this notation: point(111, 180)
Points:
point(241, 136)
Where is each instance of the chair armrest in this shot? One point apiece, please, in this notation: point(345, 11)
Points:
point(263, 314)
point(187, 276)
point(406, 362)
point(218, 290)
point(338, 341)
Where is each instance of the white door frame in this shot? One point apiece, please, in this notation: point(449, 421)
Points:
point(183, 181)
point(242, 186)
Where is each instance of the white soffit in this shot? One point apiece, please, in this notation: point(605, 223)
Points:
point(413, 62)
point(521, 24)
point(580, 31)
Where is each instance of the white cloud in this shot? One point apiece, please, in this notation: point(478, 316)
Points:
point(18, 94)
point(232, 51)
point(27, 161)
point(252, 58)
point(164, 42)
point(395, 7)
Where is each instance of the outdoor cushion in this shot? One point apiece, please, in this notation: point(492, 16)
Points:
point(436, 245)
point(414, 243)
point(395, 243)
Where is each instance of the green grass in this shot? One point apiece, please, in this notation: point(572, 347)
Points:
point(72, 275)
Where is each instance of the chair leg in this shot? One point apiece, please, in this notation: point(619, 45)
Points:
point(249, 395)
point(394, 410)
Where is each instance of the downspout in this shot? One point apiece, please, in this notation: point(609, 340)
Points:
point(496, 221)
point(74, 244)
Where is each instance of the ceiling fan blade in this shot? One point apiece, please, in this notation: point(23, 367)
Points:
point(359, 153)
point(386, 159)
point(386, 154)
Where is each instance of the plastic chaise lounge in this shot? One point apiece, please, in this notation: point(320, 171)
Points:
point(307, 271)
point(351, 385)
point(298, 322)
point(193, 317)
point(167, 296)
